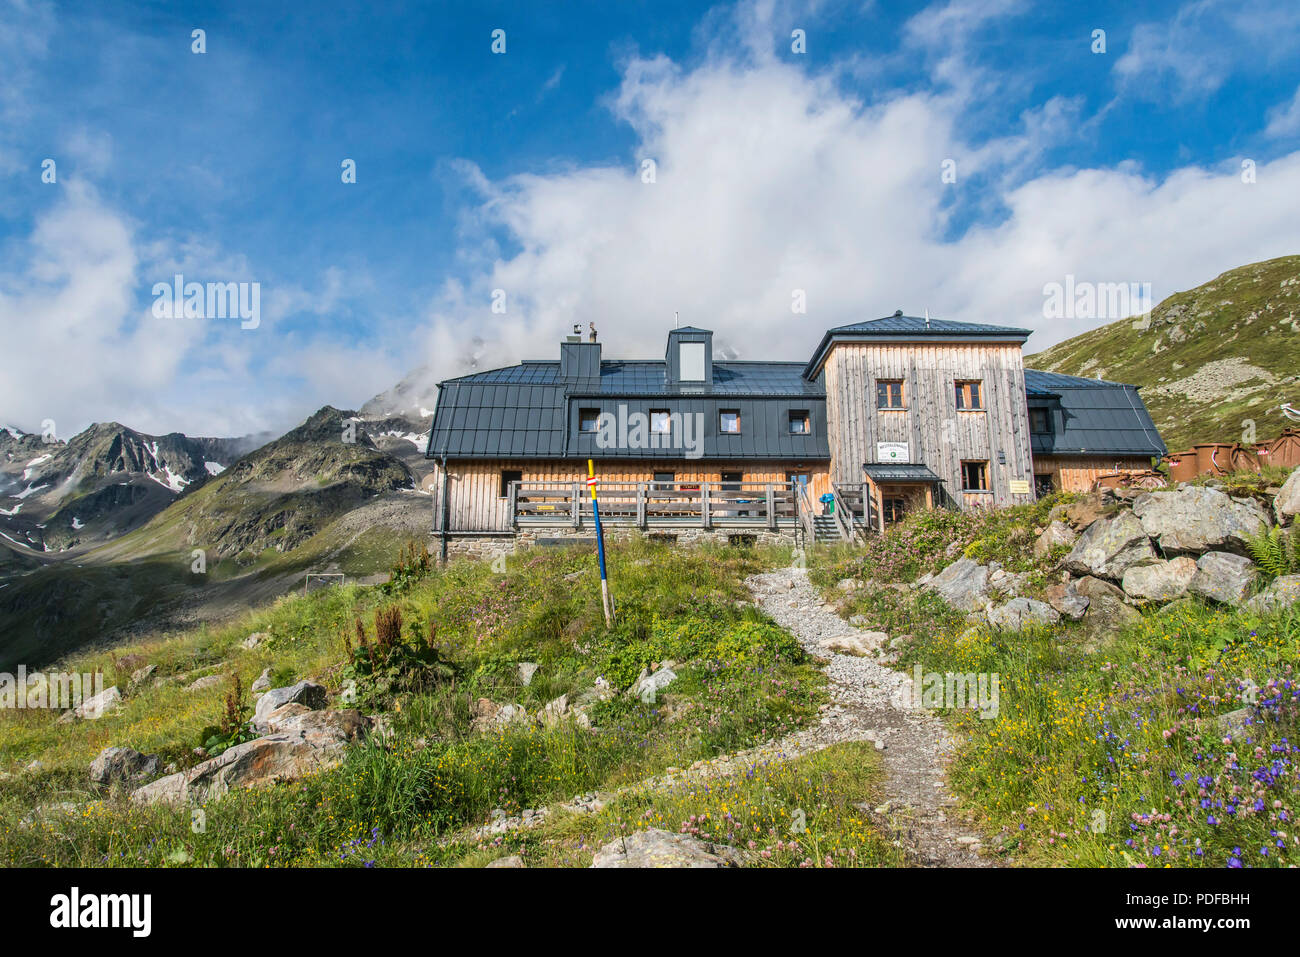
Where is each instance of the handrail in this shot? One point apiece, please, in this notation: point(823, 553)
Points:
point(843, 517)
point(804, 509)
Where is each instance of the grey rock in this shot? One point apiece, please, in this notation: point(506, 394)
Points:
point(1223, 577)
point(201, 684)
point(306, 693)
point(253, 640)
point(139, 677)
point(1019, 613)
point(1067, 600)
point(1282, 593)
point(660, 848)
point(1057, 533)
point(1109, 546)
point(1196, 520)
point(263, 682)
point(1107, 612)
point(526, 670)
point(1159, 581)
point(963, 584)
point(649, 686)
point(122, 764)
point(108, 701)
point(1287, 504)
point(554, 712)
point(514, 860)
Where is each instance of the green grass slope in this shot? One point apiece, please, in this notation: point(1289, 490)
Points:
point(1209, 360)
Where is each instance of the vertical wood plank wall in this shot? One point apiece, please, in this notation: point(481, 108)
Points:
point(938, 434)
point(475, 504)
point(1077, 473)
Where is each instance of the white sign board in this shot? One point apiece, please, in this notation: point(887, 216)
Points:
point(893, 452)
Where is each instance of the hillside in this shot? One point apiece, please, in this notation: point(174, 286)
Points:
point(1207, 359)
point(318, 497)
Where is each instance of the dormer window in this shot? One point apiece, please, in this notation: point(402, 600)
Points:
point(691, 361)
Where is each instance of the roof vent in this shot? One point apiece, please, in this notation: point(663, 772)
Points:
point(898, 313)
point(577, 333)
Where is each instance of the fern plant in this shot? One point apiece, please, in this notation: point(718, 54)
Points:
point(1277, 551)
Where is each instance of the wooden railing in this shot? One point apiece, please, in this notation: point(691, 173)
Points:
point(804, 505)
point(855, 501)
point(644, 504)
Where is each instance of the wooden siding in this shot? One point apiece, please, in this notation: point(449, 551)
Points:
point(1076, 473)
point(937, 433)
point(473, 487)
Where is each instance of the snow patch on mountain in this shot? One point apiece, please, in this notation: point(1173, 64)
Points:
point(214, 468)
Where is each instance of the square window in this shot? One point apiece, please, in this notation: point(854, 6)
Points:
point(889, 394)
point(968, 396)
point(1040, 420)
point(665, 478)
point(589, 420)
point(729, 421)
point(975, 476)
point(508, 476)
point(799, 422)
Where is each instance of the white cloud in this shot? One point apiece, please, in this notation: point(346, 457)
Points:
point(1284, 119)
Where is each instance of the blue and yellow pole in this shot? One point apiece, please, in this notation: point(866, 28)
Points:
point(606, 602)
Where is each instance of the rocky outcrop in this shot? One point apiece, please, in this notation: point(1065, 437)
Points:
point(1107, 612)
point(660, 848)
point(1287, 504)
point(1110, 546)
point(1223, 577)
point(963, 584)
point(1159, 581)
point(122, 765)
point(307, 743)
point(306, 693)
point(1020, 613)
point(1283, 592)
point(1057, 533)
point(1198, 519)
point(1065, 598)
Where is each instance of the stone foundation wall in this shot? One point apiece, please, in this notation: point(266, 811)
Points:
point(480, 545)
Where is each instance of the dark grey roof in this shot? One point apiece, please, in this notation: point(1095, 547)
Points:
point(530, 410)
point(911, 327)
point(1091, 416)
point(899, 473)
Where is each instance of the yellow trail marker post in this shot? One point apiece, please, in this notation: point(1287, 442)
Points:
point(607, 603)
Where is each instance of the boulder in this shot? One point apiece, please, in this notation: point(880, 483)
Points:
point(1065, 598)
point(660, 848)
point(963, 584)
point(1159, 581)
point(1200, 519)
point(122, 764)
point(1057, 533)
point(648, 686)
point(139, 677)
point(514, 860)
point(306, 693)
point(1287, 503)
point(316, 743)
point(554, 712)
point(108, 701)
point(201, 684)
point(263, 682)
point(1107, 610)
point(1020, 613)
point(526, 670)
point(1223, 577)
point(1109, 546)
point(1283, 592)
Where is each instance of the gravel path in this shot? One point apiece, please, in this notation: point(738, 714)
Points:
point(865, 705)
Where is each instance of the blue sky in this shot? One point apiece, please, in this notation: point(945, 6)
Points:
point(776, 171)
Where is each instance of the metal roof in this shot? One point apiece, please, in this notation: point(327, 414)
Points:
point(894, 472)
point(1095, 417)
point(647, 377)
point(903, 327)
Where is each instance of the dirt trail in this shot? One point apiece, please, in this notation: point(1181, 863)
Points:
point(866, 700)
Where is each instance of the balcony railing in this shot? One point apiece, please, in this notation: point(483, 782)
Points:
point(647, 504)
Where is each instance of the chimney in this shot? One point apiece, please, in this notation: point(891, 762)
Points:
point(578, 359)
